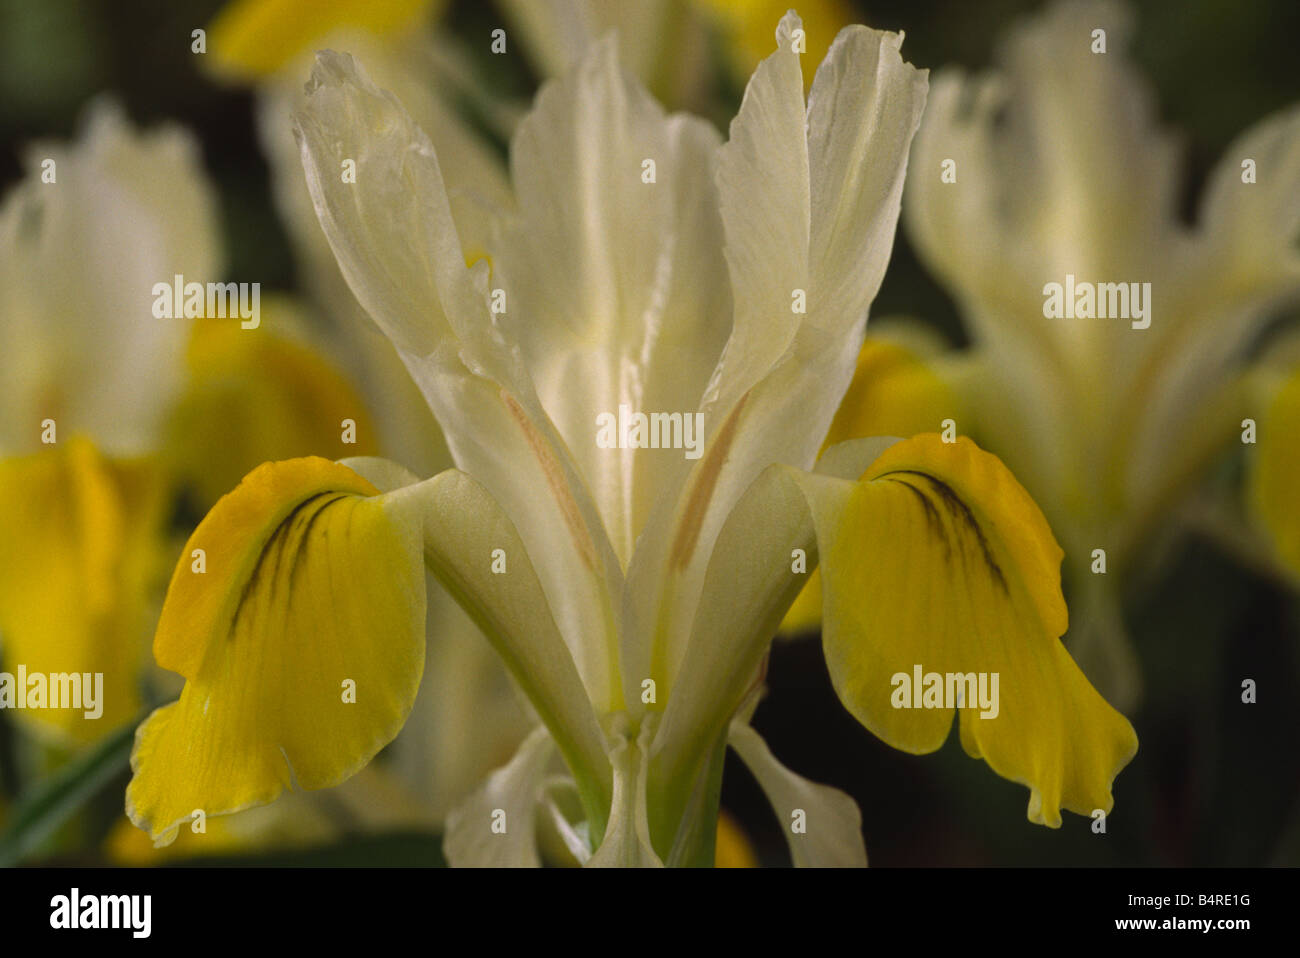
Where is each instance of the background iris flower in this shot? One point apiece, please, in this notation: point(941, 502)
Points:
point(1061, 168)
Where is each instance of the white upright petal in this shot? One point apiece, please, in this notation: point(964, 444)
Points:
point(478, 188)
point(1254, 225)
point(763, 181)
point(79, 257)
point(664, 43)
point(612, 281)
point(830, 823)
point(782, 373)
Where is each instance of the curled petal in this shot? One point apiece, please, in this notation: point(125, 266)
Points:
point(937, 561)
point(301, 637)
point(822, 825)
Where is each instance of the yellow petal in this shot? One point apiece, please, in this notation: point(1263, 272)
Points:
point(1275, 473)
point(302, 644)
point(733, 848)
point(256, 397)
point(252, 39)
point(806, 612)
point(894, 392)
point(747, 30)
point(937, 558)
point(80, 552)
point(372, 801)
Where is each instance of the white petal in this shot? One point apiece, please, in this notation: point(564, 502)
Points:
point(763, 181)
point(78, 261)
point(496, 827)
point(462, 529)
point(613, 282)
point(468, 716)
point(749, 585)
point(833, 836)
point(651, 36)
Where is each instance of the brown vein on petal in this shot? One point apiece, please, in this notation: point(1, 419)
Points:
point(705, 481)
point(959, 510)
point(276, 543)
point(555, 479)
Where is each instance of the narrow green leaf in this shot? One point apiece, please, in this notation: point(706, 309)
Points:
point(44, 807)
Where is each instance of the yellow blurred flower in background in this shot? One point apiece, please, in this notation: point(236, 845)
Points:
point(1054, 167)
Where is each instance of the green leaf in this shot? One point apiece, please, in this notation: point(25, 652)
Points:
point(51, 802)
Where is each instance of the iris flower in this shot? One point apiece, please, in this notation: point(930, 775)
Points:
point(85, 391)
point(631, 592)
point(111, 417)
point(1058, 167)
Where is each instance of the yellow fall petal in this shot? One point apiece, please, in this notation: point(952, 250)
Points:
point(938, 558)
point(255, 397)
point(747, 30)
point(1275, 473)
point(733, 848)
point(252, 39)
point(894, 392)
point(372, 801)
point(81, 545)
point(311, 594)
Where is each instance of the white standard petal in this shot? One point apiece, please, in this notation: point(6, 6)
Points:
point(794, 195)
point(611, 273)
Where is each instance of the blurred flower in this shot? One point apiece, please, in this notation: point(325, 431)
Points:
point(1058, 169)
point(82, 240)
point(111, 416)
point(1275, 469)
point(668, 44)
point(733, 848)
point(256, 39)
point(631, 592)
point(745, 26)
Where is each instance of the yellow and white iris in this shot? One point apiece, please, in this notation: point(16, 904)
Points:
point(631, 592)
point(1055, 165)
